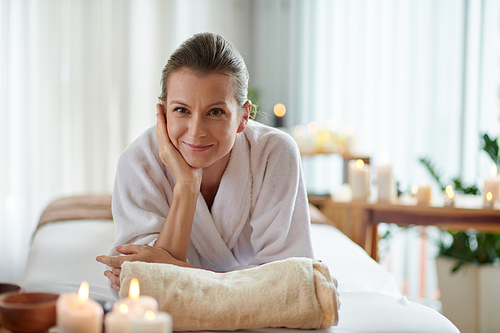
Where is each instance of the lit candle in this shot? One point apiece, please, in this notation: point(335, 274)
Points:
point(488, 202)
point(414, 190)
point(492, 185)
point(117, 321)
point(359, 179)
point(151, 322)
point(386, 183)
point(77, 313)
point(279, 111)
point(449, 199)
point(136, 303)
point(323, 142)
point(424, 194)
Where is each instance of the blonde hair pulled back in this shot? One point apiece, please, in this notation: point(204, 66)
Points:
point(208, 53)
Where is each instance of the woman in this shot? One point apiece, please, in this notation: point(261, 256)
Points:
point(208, 188)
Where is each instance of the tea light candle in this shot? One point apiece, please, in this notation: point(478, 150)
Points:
point(77, 313)
point(359, 179)
point(492, 185)
point(151, 322)
point(117, 321)
point(136, 303)
point(488, 202)
point(449, 199)
point(424, 194)
point(386, 183)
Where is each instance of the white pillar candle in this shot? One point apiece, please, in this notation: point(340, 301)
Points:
point(424, 195)
point(136, 303)
point(387, 191)
point(117, 321)
point(151, 322)
point(76, 313)
point(359, 179)
point(492, 185)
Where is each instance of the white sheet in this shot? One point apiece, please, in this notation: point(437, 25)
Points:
point(63, 254)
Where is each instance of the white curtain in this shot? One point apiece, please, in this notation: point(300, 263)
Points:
point(79, 81)
point(414, 78)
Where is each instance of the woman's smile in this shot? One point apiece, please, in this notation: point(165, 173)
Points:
point(197, 148)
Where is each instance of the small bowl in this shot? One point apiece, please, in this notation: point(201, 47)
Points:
point(28, 312)
point(7, 287)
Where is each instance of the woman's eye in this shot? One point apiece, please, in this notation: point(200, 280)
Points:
point(180, 110)
point(216, 112)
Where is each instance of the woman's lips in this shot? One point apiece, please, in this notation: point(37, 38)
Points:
point(197, 148)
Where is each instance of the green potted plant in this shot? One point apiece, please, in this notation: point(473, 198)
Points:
point(468, 265)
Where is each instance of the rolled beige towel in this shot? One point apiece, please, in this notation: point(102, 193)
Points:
point(292, 293)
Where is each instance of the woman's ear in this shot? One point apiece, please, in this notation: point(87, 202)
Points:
point(246, 108)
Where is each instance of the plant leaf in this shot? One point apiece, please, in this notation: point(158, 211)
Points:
point(491, 147)
point(431, 168)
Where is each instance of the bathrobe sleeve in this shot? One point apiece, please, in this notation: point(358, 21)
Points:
point(280, 213)
point(142, 193)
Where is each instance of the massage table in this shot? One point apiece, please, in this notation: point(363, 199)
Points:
point(73, 231)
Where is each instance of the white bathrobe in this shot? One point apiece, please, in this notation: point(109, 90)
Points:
point(260, 213)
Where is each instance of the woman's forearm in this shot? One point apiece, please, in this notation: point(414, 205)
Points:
point(176, 231)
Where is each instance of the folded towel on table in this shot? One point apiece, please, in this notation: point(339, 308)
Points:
point(292, 293)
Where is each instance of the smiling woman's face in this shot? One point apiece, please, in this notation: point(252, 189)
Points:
point(203, 117)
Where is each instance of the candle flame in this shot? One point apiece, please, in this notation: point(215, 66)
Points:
point(279, 110)
point(134, 290)
point(123, 308)
point(424, 183)
point(83, 292)
point(414, 189)
point(360, 164)
point(449, 192)
point(494, 170)
point(149, 315)
point(489, 196)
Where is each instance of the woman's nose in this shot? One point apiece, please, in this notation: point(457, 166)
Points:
point(197, 127)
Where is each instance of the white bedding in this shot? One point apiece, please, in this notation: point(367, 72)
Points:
point(63, 254)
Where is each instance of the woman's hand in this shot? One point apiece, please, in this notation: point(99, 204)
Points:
point(133, 252)
point(184, 173)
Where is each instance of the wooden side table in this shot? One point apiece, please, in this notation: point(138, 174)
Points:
point(361, 219)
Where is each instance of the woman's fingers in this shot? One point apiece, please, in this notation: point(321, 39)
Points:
point(112, 261)
point(167, 150)
point(114, 278)
point(130, 248)
point(161, 124)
